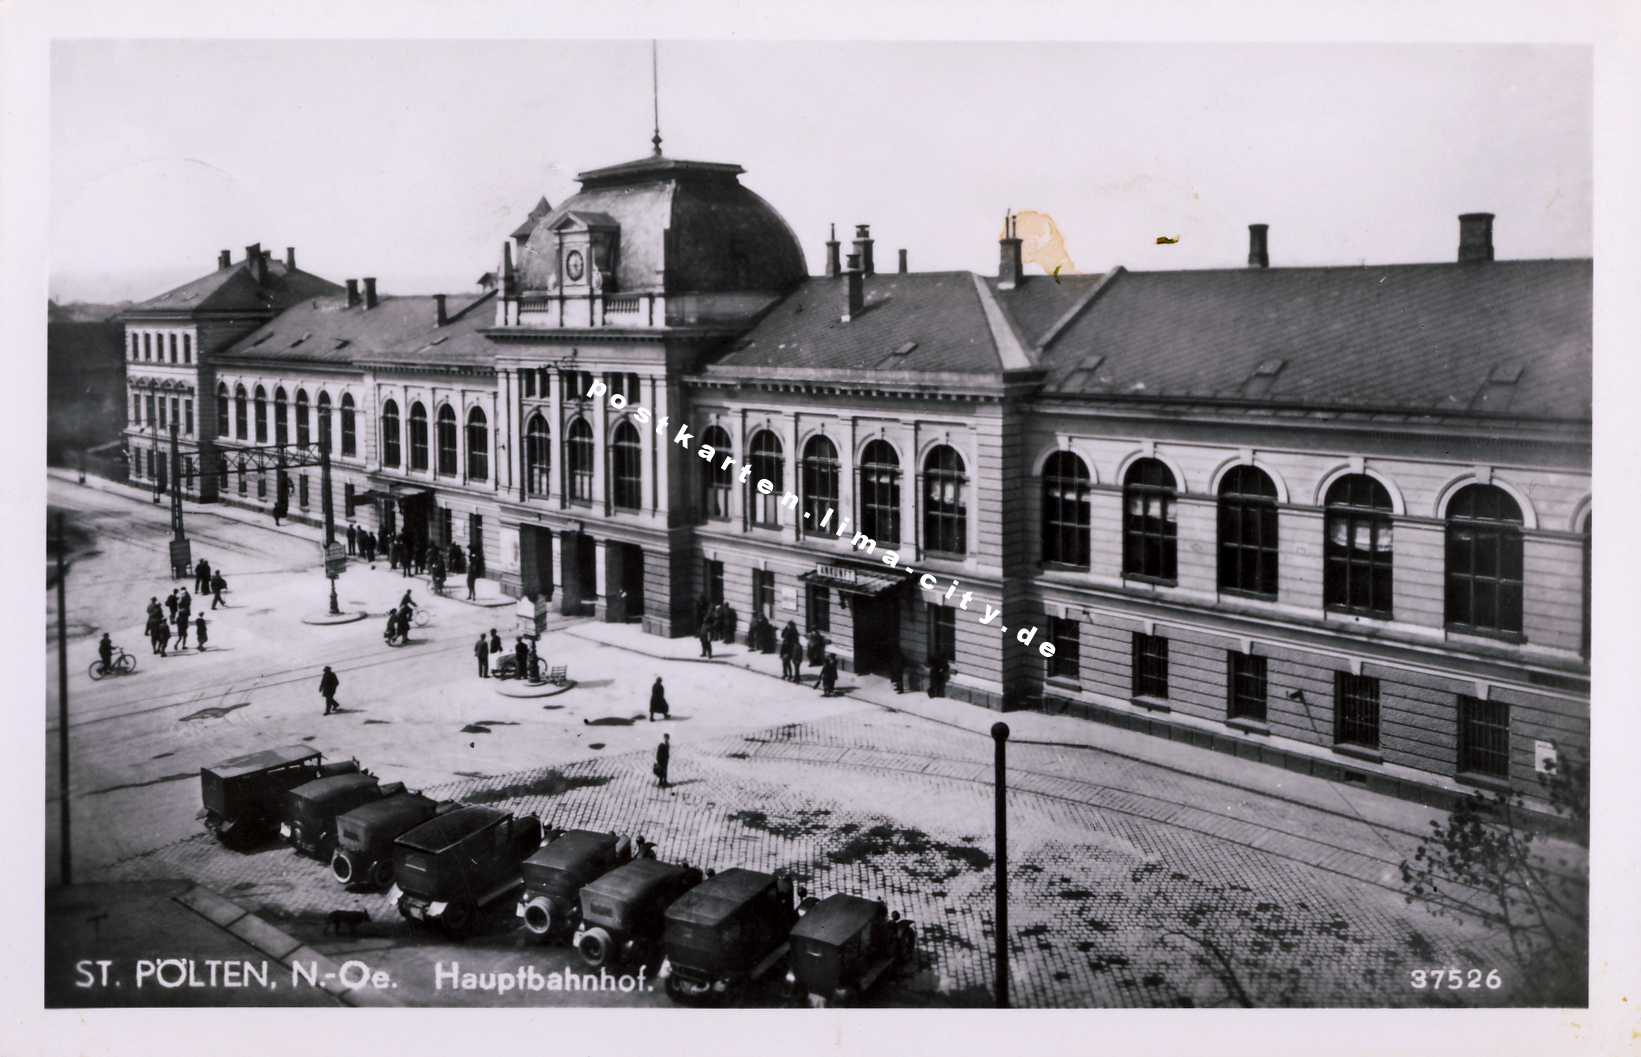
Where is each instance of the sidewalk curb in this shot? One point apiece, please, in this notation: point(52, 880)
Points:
point(277, 944)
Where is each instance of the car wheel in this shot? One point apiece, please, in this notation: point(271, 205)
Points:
point(594, 946)
point(457, 919)
point(381, 873)
point(342, 867)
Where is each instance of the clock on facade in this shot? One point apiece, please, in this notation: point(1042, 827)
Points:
point(573, 265)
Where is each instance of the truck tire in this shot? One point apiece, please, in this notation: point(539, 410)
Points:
point(457, 920)
point(595, 946)
point(342, 867)
point(538, 916)
point(381, 873)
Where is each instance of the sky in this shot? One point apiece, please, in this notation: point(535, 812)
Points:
point(412, 160)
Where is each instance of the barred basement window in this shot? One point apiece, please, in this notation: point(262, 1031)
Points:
point(1064, 633)
point(945, 512)
point(942, 632)
point(1484, 568)
point(627, 464)
point(447, 440)
point(1149, 529)
point(1358, 548)
point(1150, 666)
point(390, 433)
point(538, 456)
point(1247, 532)
point(716, 479)
point(1355, 710)
point(1484, 737)
point(880, 493)
point(820, 482)
point(767, 464)
point(579, 459)
point(1245, 686)
point(1065, 510)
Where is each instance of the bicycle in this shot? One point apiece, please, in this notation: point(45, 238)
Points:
point(421, 617)
point(122, 664)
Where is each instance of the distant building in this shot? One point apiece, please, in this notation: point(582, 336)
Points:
point(85, 385)
point(1333, 518)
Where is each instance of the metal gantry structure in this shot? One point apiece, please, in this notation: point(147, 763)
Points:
point(261, 458)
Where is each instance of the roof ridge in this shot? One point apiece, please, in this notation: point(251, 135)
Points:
point(1011, 351)
point(1076, 309)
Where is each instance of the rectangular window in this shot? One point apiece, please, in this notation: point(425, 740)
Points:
point(1355, 710)
point(1484, 737)
point(187, 348)
point(714, 582)
point(942, 632)
point(162, 412)
point(188, 417)
point(261, 485)
point(1245, 686)
point(136, 347)
point(147, 346)
point(136, 409)
point(818, 608)
point(173, 345)
point(1150, 666)
point(347, 500)
point(763, 593)
point(302, 491)
point(151, 415)
point(175, 417)
point(1063, 633)
point(529, 380)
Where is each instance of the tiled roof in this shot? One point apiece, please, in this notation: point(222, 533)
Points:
point(542, 208)
point(1503, 337)
point(1039, 301)
point(232, 289)
point(398, 329)
point(921, 321)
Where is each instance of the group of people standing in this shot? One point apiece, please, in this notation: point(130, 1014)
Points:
point(714, 623)
point(490, 653)
point(362, 543)
point(175, 613)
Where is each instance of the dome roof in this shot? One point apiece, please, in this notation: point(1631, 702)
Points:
point(684, 227)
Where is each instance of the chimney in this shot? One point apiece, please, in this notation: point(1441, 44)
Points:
point(506, 270)
point(353, 293)
point(833, 270)
point(224, 260)
point(290, 258)
point(902, 262)
point(1009, 267)
point(439, 317)
point(253, 257)
point(857, 289)
point(1258, 255)
point(370, 291)
point(1475, 237)
point(863, 248)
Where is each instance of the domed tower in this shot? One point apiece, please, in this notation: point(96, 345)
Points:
point(651, 243)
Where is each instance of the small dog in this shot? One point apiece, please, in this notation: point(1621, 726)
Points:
point(346, 919)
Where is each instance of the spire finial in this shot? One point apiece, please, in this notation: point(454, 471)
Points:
point(655, 91)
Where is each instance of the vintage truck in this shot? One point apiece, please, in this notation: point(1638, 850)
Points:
point(843, 945)
point(725, 933)
point(624, 911)
point(453, 865)
point(365, 836)
point(311, 809)
point(245, 797)
point(554, 874)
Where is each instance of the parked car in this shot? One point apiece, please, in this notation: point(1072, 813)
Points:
point(454, 864)
point(553, 876)
point(311, 809)
point(624, 911)
point(725, 933)
point(843, 945)
point(365, 835)
point(245, 796)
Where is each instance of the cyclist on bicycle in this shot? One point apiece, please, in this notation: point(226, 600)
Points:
point(105, 651)
point(407, 603)
point(392, 631)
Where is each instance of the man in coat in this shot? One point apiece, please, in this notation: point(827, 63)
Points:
point(327, 689)
point(202, 577)
point(663, 756)
point(199, 633)
point(728, 628)
point(353, 540)
point(704, 633)
point(658, 701)
point(472, 579)
point(481, 650)
point(218, 585)
point(521, 659)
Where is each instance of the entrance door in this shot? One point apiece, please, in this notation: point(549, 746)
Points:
point(587, 568)
point(475, 541)
point(536, 561)
point(632, 581)
point(877, 632)
point(714, 582)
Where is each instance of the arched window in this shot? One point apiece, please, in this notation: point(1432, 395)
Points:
point(768, 464)
point(1149, 530)
point(304, 424)
point(1484, 560)
point(1065, 510)
point(418, 436)
point(717, 480)
point(578, 457)
point(880, 492)
point(281, 417)
point(820, 482)
point(1247, 532)
point(1358, 552)
point(349, 446)
point(259, 401)
point(945, 509)
point(323, 408)
point(390, 433)
point(538, 456)
point(627, 466)
point(239, 474)
point(447, 440)
point(239, 412)
point(478, 445)
point(222, 409)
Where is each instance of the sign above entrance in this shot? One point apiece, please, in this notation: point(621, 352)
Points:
point(839, 573)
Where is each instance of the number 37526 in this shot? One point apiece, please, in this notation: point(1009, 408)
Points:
point(1454, 979)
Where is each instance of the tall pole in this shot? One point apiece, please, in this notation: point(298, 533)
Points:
point(1000, 734)
point(330, 513)
point(62, 703)
point(179, 540)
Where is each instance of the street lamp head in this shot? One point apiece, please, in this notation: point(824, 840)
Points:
point(1000, 731)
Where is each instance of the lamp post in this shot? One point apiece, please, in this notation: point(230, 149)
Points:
point(1000, 931)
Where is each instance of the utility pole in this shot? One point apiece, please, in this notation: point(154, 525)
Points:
point(1000, 930)
point(180, 557)
point(62, 702)
point(331, 571)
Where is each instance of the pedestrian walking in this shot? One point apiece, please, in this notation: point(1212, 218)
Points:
point(658, 701)
point(828, 676)
point(327, 689)
point(705, 635)
point(817, 648)
point(182, 629)
point(939, 669)
point(481, 650)
point(171, 607)
point(199, 633)
point(663, 756)
point(521, 659)
point(185, 602)
point(495, 652)
point(353, 541)
point(202, 577)
point(472, 580)
point(161, 633)
point(391, 632)
point(218, 585)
